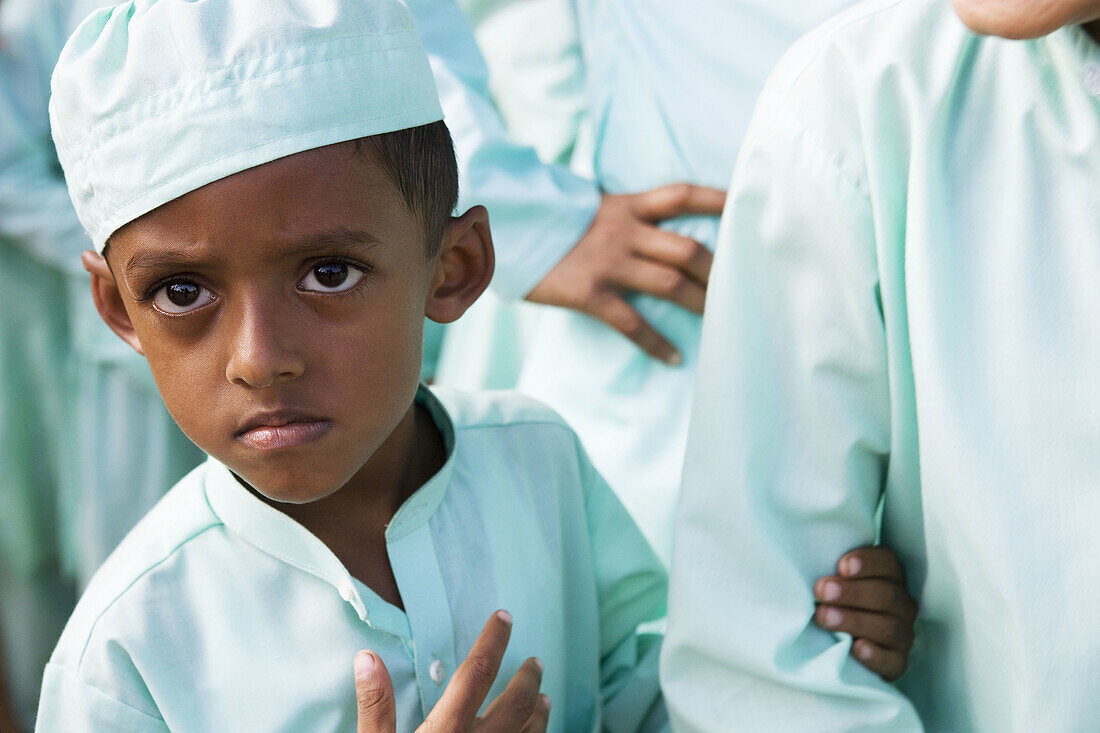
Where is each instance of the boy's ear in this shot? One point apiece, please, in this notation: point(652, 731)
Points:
point(463, 268)
point(108, 300)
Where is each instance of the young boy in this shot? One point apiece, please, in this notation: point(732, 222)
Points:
point(270, 187)
point(904, 309)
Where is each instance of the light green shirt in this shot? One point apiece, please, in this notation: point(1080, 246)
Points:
point(670, 88)
point(903, 309)
point(218, 611)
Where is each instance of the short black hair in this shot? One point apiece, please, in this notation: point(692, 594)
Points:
point(420, 162)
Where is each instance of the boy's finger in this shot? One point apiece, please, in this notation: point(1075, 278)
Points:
point(467, 689)
point(886, 663)
point(373, 695)
point(679, 199)
point(882, 596)
point(886, 631)
point(665, 282)
point(513, 707)
point(871, 562)
point(540, 718)
point(683, 253)
point(617, 313)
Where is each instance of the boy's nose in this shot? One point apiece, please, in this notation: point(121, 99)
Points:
point(263, 351)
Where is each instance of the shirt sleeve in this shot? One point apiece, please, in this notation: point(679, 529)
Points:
point(536, 70)
point(632, 588)
point(788, 447)
point(36, 213)
point(537, 211)
point(72, 705)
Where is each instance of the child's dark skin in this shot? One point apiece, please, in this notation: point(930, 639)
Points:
point(281, 311)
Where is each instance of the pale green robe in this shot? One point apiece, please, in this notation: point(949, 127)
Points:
point(220, 612)
point(87, 444)
point(904, 309)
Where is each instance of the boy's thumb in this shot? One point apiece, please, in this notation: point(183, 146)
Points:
point(376, 712)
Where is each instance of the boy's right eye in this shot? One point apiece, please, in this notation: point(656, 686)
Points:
point(181, 296)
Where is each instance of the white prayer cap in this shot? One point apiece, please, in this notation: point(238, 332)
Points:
point(155, 98)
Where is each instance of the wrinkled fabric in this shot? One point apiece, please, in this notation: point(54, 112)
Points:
point(155, 98)
point(220, 610)
point(670, 87)
point(536, 79)
point(58, 445)
point(902, 311)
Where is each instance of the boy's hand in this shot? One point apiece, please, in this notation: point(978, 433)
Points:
point(624, 251)
point(868, 600)
point(519, 709)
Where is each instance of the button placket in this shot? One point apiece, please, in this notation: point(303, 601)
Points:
point(416, 568)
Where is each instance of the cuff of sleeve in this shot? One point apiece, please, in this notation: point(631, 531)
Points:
point(531, 240)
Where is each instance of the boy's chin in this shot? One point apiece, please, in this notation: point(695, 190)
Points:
point(285, 489)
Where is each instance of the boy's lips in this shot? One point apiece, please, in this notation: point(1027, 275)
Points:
point(282, 429)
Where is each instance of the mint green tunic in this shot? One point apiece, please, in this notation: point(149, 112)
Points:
point(666, 98)
point(536, 80)
point(669, 89)
point(220, 612)
point(903, 310)
point(87, 444)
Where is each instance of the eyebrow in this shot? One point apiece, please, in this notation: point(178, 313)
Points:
point(339, 237)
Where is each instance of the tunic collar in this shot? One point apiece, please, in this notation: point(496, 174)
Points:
point(280, 536)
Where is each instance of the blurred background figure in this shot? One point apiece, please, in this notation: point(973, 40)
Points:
point(635, 94)
point(536, 80)
point(88, 446)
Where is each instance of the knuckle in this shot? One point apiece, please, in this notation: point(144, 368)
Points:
point(586, 295)
point(672, 283)
point(680, 193)
point(369, 699)
point(896, 633)
point(631, 324)
point(687, 251)
point(482, 671)
point(898, 597)
point(523, 705)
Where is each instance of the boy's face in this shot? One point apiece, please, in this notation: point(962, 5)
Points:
point(1025, 18)
point(281, 311)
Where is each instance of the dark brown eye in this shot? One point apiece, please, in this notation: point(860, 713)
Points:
point(331, 274)
point(183, 294)
point(332, 277)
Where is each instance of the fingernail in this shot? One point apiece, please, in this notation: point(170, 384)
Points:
point(364, 665)
point(851, 566)
point(544, 701)
point(505, 617)
point(863, 651)
point(830, 591)
point(675, 359)
point(538, 662)
point(831, 617)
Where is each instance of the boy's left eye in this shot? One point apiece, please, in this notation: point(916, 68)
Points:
point(331, 277)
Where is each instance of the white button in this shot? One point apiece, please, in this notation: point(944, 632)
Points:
point(436, 672)
point(1092, 78)
point(347, 590)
